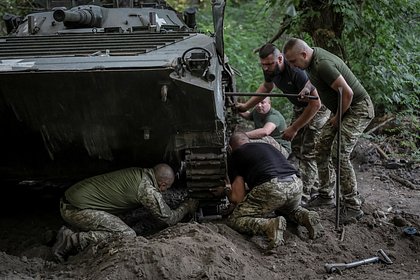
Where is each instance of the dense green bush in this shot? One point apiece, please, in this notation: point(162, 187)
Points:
point(384, 51)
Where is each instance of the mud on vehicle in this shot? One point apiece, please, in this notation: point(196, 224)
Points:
point(88, 87)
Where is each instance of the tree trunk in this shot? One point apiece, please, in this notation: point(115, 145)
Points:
point(325, 27)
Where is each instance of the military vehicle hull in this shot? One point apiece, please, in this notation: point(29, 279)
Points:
point(76, 104)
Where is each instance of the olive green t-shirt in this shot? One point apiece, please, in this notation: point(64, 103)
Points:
point(324, 69)
point(112, 192)
point(275, 117)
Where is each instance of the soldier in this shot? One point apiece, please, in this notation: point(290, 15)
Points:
point(308, 114)
point(274, 187)
point(91, 205)
point(329, 74)
point(269, 124)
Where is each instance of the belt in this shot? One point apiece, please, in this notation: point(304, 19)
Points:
point(289, 178)
point(65, 205)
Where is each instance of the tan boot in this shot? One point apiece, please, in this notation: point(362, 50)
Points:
point(275, 228)
point(312, 222)
point(64, 244)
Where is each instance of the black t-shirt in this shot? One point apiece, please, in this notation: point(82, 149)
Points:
point(290, 81)
point(257, 163)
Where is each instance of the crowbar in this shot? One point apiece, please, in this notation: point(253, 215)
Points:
point(267, 94)
point(338, 165)
point(338, 267)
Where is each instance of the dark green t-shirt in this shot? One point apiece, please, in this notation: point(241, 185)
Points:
point(122, 190)
point(275, 117)
point(324, 69)
point(112, 192)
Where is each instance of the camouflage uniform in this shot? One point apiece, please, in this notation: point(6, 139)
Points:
point(91, 205)
point(353, 123)
point(95, 225)
point(274, 195)
point(303, 147)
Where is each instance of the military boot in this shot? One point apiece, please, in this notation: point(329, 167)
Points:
point(312, 222)
point(64, 244)
point(350, 215)
point(320, 201)
point(274, 230)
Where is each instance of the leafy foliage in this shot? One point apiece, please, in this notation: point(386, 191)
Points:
point(398, 139)
point(384, 47)
point(380, 41)
point(248, 26)
point(381, 44)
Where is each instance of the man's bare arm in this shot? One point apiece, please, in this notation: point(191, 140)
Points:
point(266, 130)
point(237, 193)
point(308, 113)
point(347, 96)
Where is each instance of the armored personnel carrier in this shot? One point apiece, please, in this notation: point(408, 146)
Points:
point(87, 87)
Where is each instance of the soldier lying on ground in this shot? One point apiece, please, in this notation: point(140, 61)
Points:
point(274, 187)
point(91, 205)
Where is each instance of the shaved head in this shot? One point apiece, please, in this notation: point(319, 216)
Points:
point(164, 175)
point(298, 53)
point(238, 139)
point(296, 45)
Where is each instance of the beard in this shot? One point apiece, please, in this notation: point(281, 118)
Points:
point(274, 73)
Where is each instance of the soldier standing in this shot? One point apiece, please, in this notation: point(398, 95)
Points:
point(309, 114)
point(330, 75)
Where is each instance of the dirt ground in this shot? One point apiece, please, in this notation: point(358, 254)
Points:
point(212, 250)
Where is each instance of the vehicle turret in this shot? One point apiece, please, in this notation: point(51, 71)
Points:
point(83, 17)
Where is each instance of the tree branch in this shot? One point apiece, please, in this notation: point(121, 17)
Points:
point(283, 27)
point(379, 125)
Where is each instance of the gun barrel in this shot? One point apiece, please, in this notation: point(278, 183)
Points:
point(80, 17)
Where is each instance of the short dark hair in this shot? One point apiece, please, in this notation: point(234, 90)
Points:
point(267, 49)
point(292, 43)
point(237, 138)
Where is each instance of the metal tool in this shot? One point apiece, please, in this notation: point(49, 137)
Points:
point(267, 94)
point(338, 165)
point(338, 267)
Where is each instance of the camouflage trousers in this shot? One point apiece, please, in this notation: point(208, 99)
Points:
point(303, 147)
point(93, 226)
point(270, 140)
point(353, 123)
point(250, 216)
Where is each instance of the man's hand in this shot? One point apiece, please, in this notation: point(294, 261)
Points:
point(192, 205)
point(334, 121)
point(289, 133)
point(241, 107)
point(304, 95)
point(226, 212)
